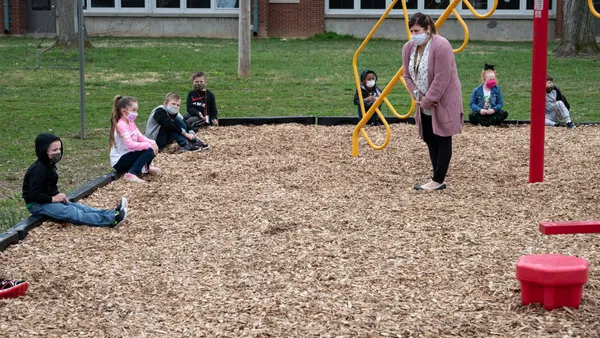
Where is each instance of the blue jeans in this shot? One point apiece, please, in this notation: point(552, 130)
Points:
point(134, 161)
point(75, 213)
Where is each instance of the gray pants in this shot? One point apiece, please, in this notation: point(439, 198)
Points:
point(557, 114)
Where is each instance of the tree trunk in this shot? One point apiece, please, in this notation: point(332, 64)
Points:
point(66, 13)
point(578, 35)
point(244, 40)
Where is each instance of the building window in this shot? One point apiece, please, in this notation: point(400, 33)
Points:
point(341, 4)
point(410, 4)
point(436, 4)
point(133, 3)
point(103, 3)
point(523, 7)
point(198, 3)
point(41, 5)
point(227, 4)
point(372, 4)
point(167, 4)
point(530, 4)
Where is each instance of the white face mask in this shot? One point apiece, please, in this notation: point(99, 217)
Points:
point(419, 39)
point(172, 110)
point(371, 83)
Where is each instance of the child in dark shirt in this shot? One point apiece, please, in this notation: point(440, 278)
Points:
point(42, 197)
point(557, 106)
point(166, 125)
point(200, 103)
point(370, 92)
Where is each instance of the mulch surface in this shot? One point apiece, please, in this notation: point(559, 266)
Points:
point(278, 231)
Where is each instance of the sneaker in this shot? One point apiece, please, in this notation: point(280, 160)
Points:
point(190, 147)
point(570, 125)
point(201, 145)
point(154, 170)
point(129, 177)
point(122, 204)
point(120, 216)
point(12, 288)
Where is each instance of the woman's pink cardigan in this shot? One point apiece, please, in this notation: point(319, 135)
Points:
point(444, 87)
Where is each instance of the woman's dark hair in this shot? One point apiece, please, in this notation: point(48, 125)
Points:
point(422, 20)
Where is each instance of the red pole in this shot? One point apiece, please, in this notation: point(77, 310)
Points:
point(538, 91)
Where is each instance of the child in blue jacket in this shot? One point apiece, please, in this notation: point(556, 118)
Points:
point(486, 100)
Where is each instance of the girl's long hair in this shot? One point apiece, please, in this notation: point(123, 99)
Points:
point(119, 102)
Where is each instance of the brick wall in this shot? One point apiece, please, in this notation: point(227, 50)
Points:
point(300, 20)
point(559, 18)
point(17, 17)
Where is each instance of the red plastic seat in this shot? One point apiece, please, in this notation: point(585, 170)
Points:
point(553, 280)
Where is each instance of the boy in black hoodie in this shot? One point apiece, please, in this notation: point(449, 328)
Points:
point(42, 197)
point(370, 92)
point(200, 103)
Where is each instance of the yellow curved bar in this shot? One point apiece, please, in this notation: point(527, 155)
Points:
point(388, 133)
point(465, 28)
point(487, 15)
point(359, 50)
point(593, 9)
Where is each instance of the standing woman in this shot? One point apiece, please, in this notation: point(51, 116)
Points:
point(431, 77)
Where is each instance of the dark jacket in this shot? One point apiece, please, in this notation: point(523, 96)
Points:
point(366, 92)
point(41, 179)
point(199, 102)
point(561, 97)
point(161, 121)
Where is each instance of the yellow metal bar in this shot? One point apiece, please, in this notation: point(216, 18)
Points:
point(484, 16)
point(593, 9)
point(466, 29)
point(451, 9)
point(359, 50)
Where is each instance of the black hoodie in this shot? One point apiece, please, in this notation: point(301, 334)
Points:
point(40, 182)
point(366, 92)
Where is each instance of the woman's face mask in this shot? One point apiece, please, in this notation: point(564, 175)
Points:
point(419, 39)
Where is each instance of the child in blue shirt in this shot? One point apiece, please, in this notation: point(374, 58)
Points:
point(486, 100)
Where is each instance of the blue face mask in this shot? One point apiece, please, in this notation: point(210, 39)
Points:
point(419, 39)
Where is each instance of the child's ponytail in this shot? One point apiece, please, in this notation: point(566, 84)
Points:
point(119, 102)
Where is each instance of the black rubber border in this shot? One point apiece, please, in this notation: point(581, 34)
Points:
point(20, 230)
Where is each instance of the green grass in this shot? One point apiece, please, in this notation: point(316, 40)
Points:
point(289, 77)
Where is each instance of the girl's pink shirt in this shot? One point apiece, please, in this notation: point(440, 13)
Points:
point(131, 136)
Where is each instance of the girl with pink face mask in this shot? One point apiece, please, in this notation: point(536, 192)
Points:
point(486, 100)
point(131, 152)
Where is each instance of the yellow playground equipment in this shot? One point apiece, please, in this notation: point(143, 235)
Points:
point(398, 77)
point(594, 11)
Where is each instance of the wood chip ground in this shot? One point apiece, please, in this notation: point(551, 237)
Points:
point(278, 231)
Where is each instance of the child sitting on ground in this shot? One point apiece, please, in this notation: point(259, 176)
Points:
point(370, 92)
point(486, 100)
point(200, 103)
point(42, 197)
point(166, 125)
point(130, 151)
point(12, 288)
point(557, 107)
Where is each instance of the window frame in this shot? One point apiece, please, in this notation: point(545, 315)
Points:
point(150, 8)
point(521, 13)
